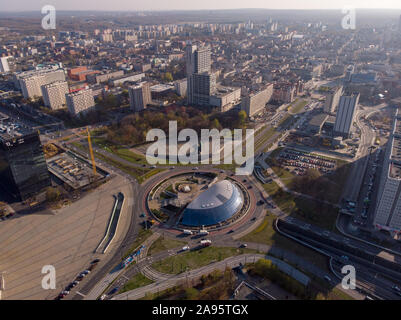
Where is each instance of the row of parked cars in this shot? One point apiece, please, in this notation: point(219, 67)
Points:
point(79, 278)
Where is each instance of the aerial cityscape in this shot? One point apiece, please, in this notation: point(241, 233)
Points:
point(200, 153)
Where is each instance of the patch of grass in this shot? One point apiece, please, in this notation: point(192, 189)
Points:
point(163, 244)
point(298, 106)
point(195, 259)
point(263, 233)
point(149, 174)
point(142, 236)
point(266, 234)
point(139, 280)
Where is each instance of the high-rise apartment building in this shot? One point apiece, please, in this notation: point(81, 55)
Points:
point(388, 208)
point(54, 94)
point(31, 83)
point(254, 102)
point(7, 64)
point(345, 115)
point(201, 83)
point(80, 102)
point(23, 168)
point(139, 96)
point(332, 99)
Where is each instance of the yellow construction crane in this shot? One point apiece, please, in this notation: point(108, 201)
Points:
point(91, 151)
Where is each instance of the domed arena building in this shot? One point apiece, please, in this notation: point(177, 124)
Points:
point(219, 203)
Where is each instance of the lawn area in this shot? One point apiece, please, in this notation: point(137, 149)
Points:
point(164, 244)
point(312, 211)
point(298, 106)
point(149, 174)
point(139, 280)
point(266, 234)
point(196, 259)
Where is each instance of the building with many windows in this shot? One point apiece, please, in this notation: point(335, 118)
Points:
point(23, 168)
point(201, 82)
point(54, 94)
point(345, 115)
point(31, 83)
point(388, 208)
point(80, 102)
point(254, 102)
point(139, 96)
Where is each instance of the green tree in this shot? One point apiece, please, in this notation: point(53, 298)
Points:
point(242, 117)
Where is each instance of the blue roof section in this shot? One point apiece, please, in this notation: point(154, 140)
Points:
point(195, 215)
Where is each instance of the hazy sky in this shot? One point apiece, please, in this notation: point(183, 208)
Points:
point(130, 5)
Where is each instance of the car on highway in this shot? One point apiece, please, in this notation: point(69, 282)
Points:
point(185, 248)
point(396, 288)
point(244, 245)
point(260, 202)
point(327, 278)
point(345, 258)
point(95, 261)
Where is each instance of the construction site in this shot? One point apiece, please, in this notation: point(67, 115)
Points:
point(70, 168)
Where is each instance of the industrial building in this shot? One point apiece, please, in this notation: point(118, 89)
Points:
point(217, 204)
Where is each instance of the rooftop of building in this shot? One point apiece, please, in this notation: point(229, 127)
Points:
point(79, 92)
point(221, 91)
point(161, 87)
point(11, 130)
point(215, 196)
point(318, 119)
point(395, 171)
point(396, 149)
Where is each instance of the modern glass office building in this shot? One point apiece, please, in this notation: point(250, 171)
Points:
point(23, 168)
point(219, 203)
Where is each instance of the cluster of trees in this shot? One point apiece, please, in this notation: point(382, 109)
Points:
point(267, 270)
point(133, 128)
point(52, 195)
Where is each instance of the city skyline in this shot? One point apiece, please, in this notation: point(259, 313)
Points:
point(157, 5)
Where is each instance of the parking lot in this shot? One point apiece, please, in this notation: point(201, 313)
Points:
point(65, 240)
point(299, 162)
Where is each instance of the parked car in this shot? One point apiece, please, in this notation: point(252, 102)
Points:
point(95, 261)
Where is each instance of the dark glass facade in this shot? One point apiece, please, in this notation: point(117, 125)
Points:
point(23, 168)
